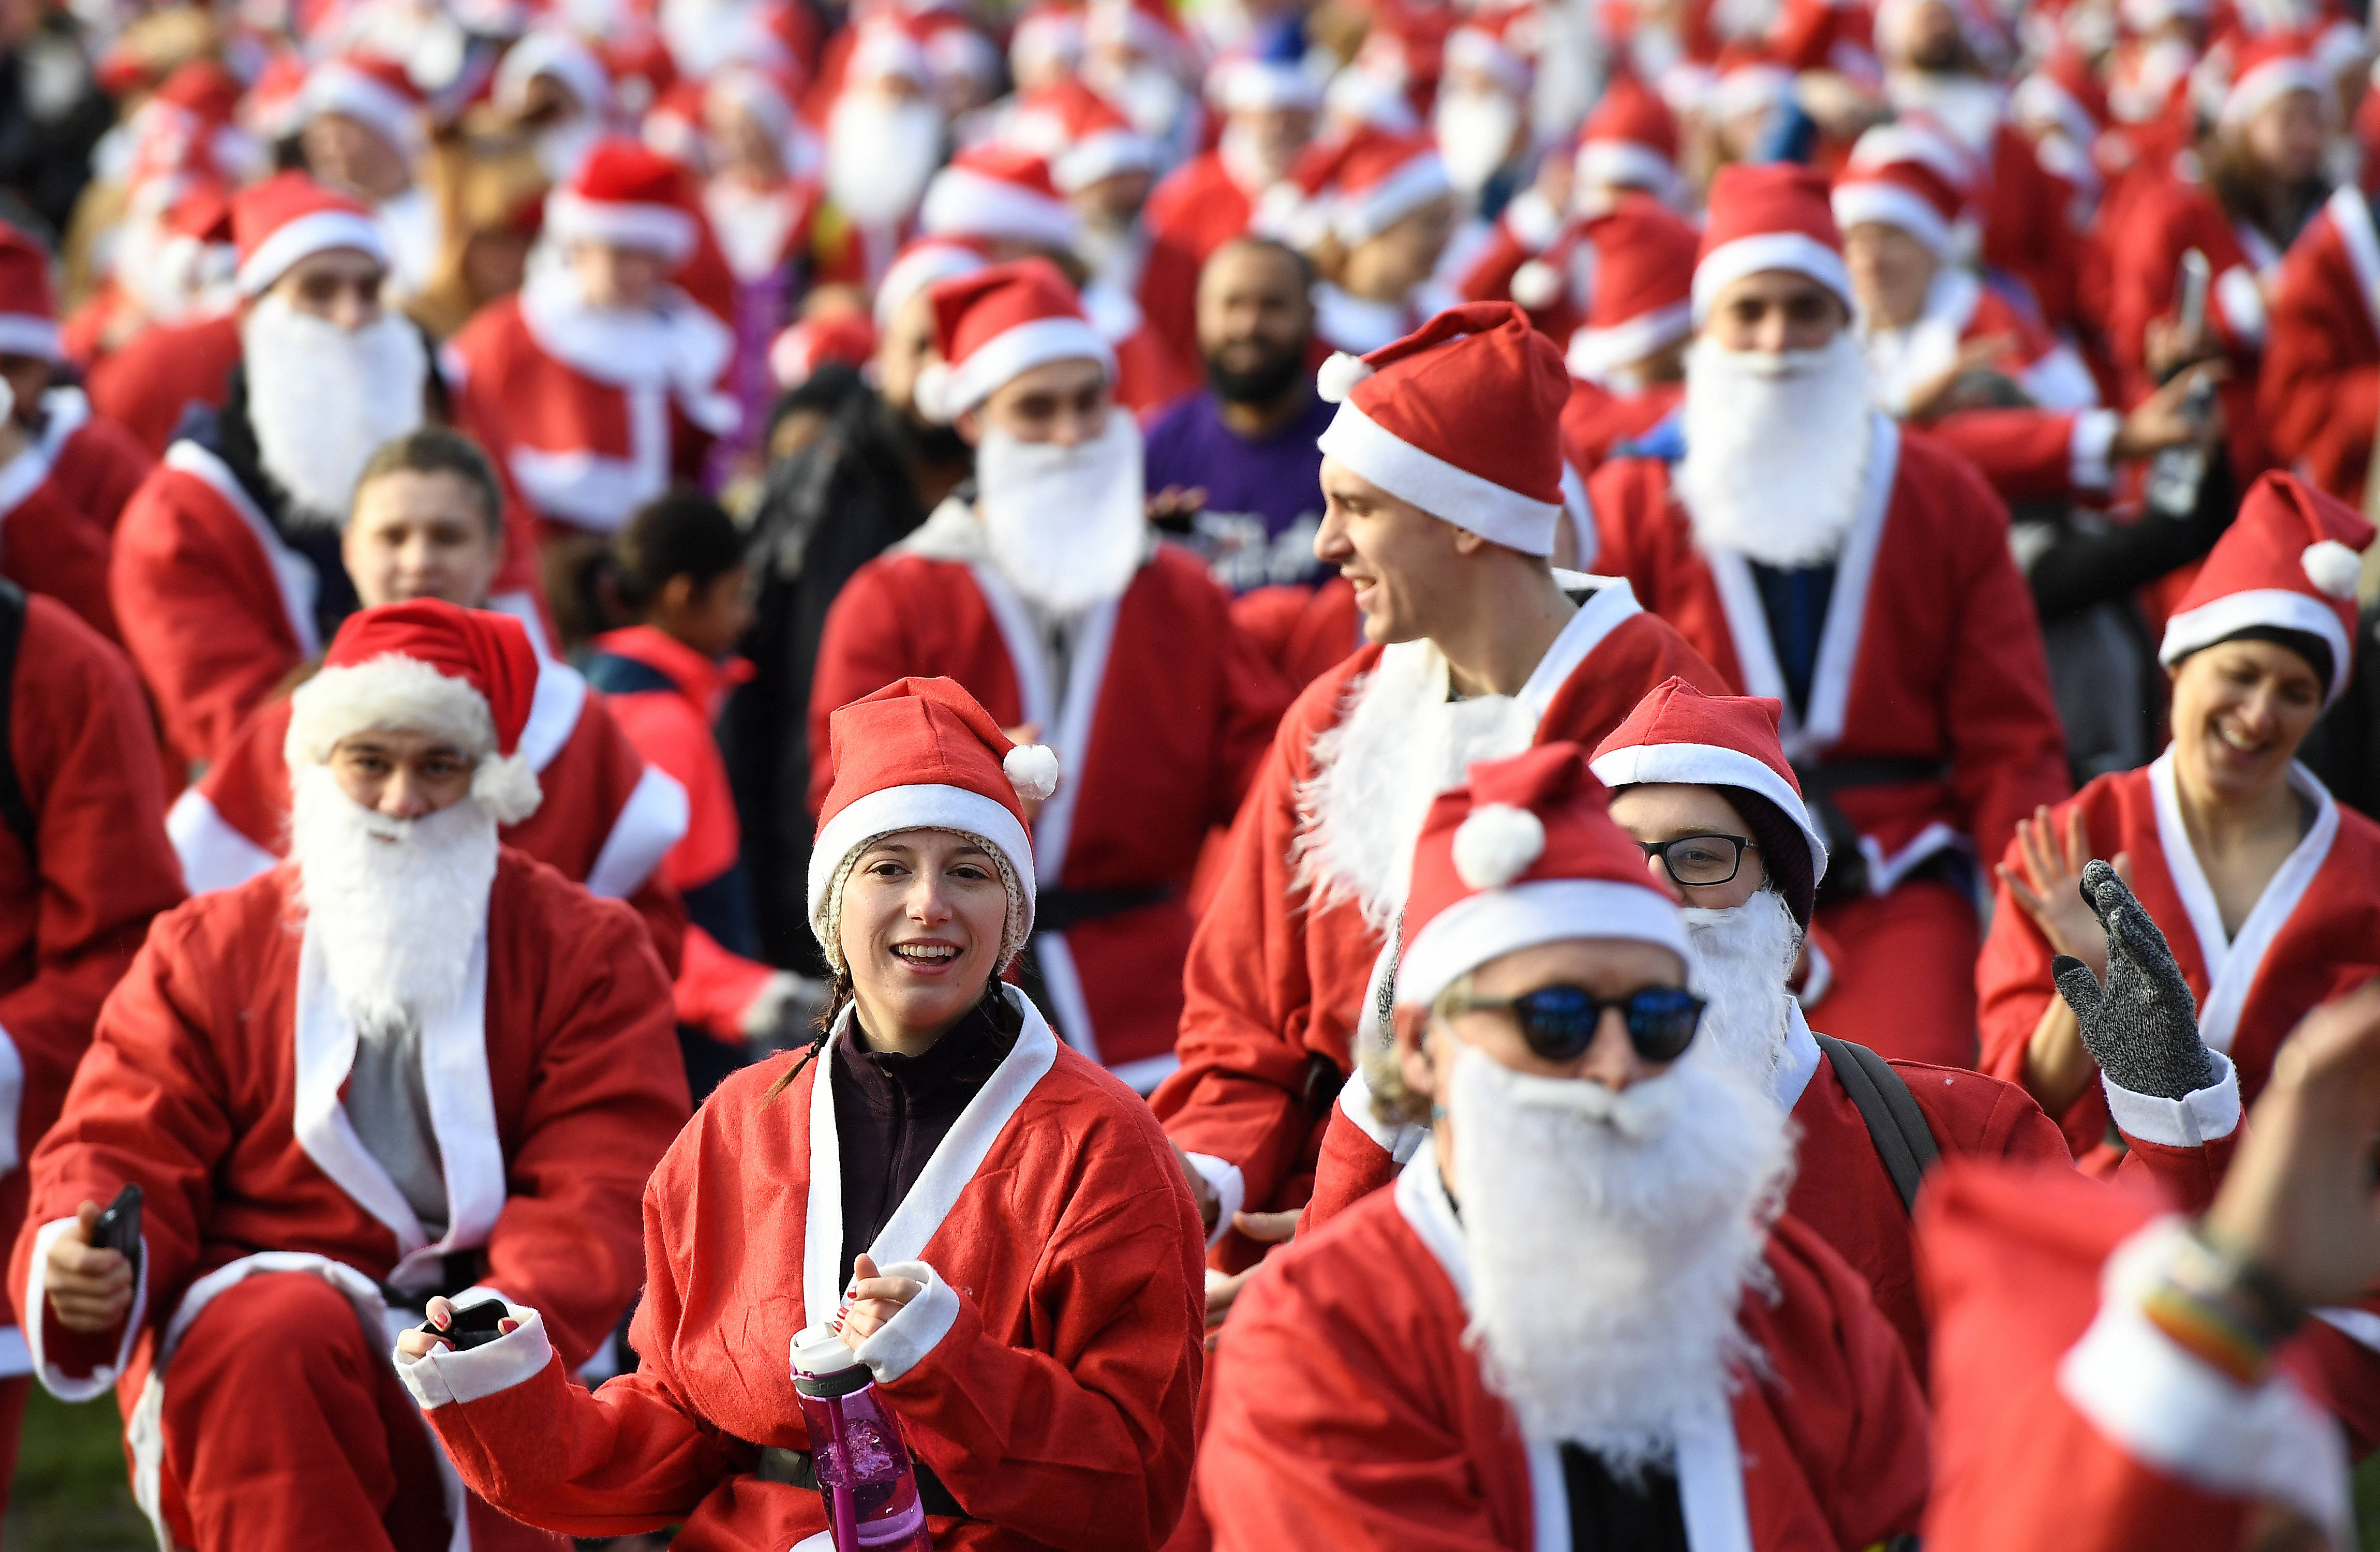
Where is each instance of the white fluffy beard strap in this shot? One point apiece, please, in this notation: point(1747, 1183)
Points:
point(1400, 742)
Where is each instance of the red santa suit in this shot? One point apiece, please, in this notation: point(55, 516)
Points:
point(2319, 394)
point(146, 385)
point(607, 820)
point(1047, 1371)
point(81, 885)
point(1639, 305)
point(1350, 1410)
point(2063, 1416)
point(1353, 188)
point(1278, 974)
point(215, 1082)
point(2020, 207)
point(97, 463)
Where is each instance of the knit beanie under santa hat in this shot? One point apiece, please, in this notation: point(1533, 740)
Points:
point(2290, 561)
point(922, 754)
point(1462, 418)
point(1525, 854)
point(466, 675)
point(1679, 735)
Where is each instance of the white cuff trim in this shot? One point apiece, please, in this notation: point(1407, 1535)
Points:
point(515, 1358)
point(1398, 1139)
point(1230, 1190)
point(34, 1312)
point(2173, 1411)
point(902, 1343)
point(2192, 1120)
point(2356, 1325)
point(2088, 458)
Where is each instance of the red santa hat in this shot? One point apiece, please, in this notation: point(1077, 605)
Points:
point(998, 193)
point(1462, 418)
point(2290, 562)
point(2064, 90)
point(1677, 734)
point(801, 348)
point(1262, 84)
point(2270, 69)
point(1501, 45)
point(1747, 86)
point(273, 107)
point(928, 261)
point(1144, 27)
point(466, 675)
point(1361, 183)
point(626, 195)
point(1360, 99)
point(1774, 216)
point(998, 323)
point(1642, 298)
point(1630, 140)
point(1905, 176)
point(1047, 33)
point(28, 308)
point(375, 91)
point(767, 94)
point(559, 56)
point(883, 49)
point(290, 217)
point(1084, 138)
point(1525, 854)
point(922, 754)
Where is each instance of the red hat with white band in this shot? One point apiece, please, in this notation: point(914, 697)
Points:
point(1630, 141)
point(1908, 178)
point(1501, 45)
point(928, 261)
point(1525, 854)
point(996, 192)
point(290, 217)
point(1368, 181)
point(1084, 138)
point(1462, 418)
point(1640, 302)
point(998, 323)
point(922, 754)
point(626, 195)
point(28, 307)
point(374, 91)
point(2270, 69)
point(1774, 216)
point(2290, 560)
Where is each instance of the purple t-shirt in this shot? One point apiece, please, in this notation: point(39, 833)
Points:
point(1264, 499)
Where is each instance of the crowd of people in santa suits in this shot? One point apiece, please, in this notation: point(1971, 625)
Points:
point(1371, 774)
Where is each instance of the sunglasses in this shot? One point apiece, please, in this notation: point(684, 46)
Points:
point(1559, 1022)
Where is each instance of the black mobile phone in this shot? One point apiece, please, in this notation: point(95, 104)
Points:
point(118, 1227)
point(475, 1324)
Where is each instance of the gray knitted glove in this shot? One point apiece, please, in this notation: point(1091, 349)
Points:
point(2143, 1027)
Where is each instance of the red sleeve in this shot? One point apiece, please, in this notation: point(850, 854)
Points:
point(714, 987)
point(1352, 1166)
point(2024, 454)
point(110, 463)
point(2012, 990)
point(48, 545)
point(2318, 391)
point(1255, 694)
point(669, 732)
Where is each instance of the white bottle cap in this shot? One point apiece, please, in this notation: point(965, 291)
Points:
point(817, 1351)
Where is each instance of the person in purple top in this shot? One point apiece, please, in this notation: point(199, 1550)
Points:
point(1233, 470)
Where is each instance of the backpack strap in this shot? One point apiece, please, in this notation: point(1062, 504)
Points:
point(1895, 1124)
point(615, 674)
point(14, 812)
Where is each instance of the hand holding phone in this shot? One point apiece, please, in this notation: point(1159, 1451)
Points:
point(118, 1227)
point(471, 1326)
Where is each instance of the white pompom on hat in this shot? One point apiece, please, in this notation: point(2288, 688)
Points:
point(2290, 560)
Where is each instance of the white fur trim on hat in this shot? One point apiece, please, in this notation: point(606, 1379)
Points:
point(1595, 353)
point(1102, 155)
point(662, 229)
point(336, 86)
point(1889, 204)
point(2276, 607)
point(1626, 164)
point(1496, 843)
point(1011, 353)
point(960, 202)
point(1712, 765)
point(1032, 770)
point(1798, 251)
point(1421, 179)
point(1451, 494)
point(922, 806)
point(1338, 375)
point(2333, 568)
point(304, 237)
point(25, 334)
point(1496, 922)
point(2273, 80)
point(396, 694)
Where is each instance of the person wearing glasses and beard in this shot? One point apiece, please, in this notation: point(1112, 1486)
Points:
point(1554, 1315)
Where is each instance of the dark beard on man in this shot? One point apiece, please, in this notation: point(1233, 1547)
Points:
point(1263, 383)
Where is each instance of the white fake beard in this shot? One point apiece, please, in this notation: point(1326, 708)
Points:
point(1743, 956)
point(1611, 1238)
point(395, 904)
point(323, 399)
point(1067, 525)
point(880, 152)
point(1475, 135)
point(1777, 448)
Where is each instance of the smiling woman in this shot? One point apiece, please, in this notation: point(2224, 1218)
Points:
point(2267, 890)
point(993, 1226)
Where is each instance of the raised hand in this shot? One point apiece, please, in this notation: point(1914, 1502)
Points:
point(2046, 882)
point(2142, 1027)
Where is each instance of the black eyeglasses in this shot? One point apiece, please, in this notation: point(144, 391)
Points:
point(1559, 1022)
point(1701, 859)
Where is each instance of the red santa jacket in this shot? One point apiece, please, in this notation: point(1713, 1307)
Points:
point(74, 909)
point(1350, 1412)
point(146, 387)
point(1304, 632)
point(213, 1082)
point(1527, 226)
point(606, 820)
point(1595, 420)
point(1277, 975)
point(2319, 395)
point(2311, 936)
point(588, 415)
point(1048, 1374)
point(48, 544)
point(2062, 1417)
point(97, 462)
point(1159, 729)
point(1193, 211)
point(1931, 654)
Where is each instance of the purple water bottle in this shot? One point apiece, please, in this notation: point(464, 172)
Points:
point(855, 1445)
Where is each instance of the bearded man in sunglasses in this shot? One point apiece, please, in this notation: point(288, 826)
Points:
point(1543, 1336)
